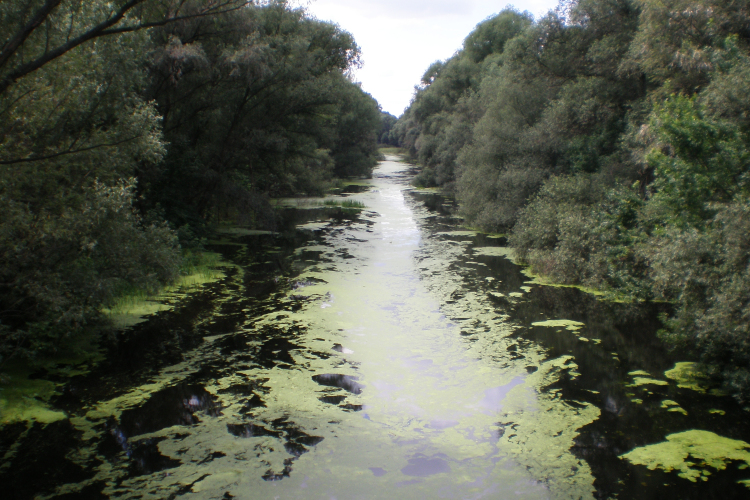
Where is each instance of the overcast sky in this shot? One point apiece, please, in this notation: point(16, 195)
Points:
point(401, 38)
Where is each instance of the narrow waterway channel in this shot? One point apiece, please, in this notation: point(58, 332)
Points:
point(386, 353)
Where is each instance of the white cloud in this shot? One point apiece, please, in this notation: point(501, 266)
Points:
point(401, 38)
point(403, 9)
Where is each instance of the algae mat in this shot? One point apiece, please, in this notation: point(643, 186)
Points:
point(708, 450)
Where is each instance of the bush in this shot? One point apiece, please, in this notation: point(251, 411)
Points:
point(581, 229)
point(58, 271)
point(707, 273)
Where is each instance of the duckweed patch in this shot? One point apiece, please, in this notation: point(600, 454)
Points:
point(706, 449)
point(688, 376)
point(573, 326)
point(673, 406)
point(643, 381)
point(506, 252)
point(23, 399)
point(458, 234)
point(538, 279)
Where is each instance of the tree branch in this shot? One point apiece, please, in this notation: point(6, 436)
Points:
point(67, 152)
point(14, 43)
point(105, 28)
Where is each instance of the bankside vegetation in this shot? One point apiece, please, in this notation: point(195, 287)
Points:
point(611, 139)
point(127, 127)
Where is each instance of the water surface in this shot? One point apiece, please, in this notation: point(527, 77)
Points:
point(388, 353)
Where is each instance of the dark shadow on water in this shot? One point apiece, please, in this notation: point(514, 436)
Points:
point(378, 472)
point(351, 407)
point(354, 189)
point(177, 405)
point(436, 202)
point(346, 382)
point(42, 463)
point(332, 400)
point(250, 430)
point(145, 458)
point(295, 441)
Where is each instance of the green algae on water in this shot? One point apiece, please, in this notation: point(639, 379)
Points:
point(688, 377)
point(544, 430)
point(24, 399)
point(458, 233)
point(704, 447)
point(506, 252)
point(641, 381)
point(673, 406)
point(573, 326)
point(643, 378)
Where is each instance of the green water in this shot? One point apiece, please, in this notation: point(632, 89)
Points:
point(381, 353)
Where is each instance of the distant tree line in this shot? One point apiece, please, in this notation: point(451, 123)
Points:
point(610, 139)
point(387, 133)
point(129, 126)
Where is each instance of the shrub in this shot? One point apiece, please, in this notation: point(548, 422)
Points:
point(707, 274)
point(58, 271)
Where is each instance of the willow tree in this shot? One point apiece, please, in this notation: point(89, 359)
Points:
point(255, 103)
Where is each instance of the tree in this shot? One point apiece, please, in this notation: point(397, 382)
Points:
point(73, 130)
point(443, 102)
point(698, 161)
point(358, 121)
point(251, 104)
point(386, 135)
point(40, 32)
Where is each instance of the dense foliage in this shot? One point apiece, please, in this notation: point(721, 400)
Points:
point(128, 125)
point(610, 139)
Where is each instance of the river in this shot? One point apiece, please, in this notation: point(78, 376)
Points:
point(384, 353)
